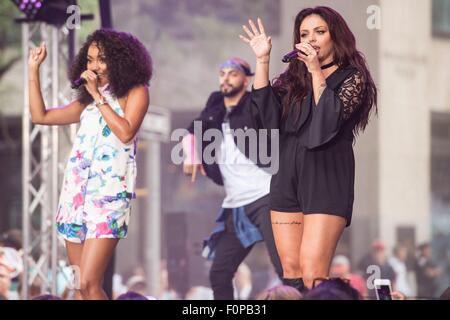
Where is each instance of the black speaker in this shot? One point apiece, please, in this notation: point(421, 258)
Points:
point(184, 235)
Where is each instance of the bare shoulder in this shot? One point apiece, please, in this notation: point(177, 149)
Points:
point(139, 90)
point(137, 98)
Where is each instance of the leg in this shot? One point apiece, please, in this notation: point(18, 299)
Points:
point(261, 219)
point(74, 252)
point(108, 278)
point(287, 231)
point(321, 233)
point(229, 254)
point(94, 260)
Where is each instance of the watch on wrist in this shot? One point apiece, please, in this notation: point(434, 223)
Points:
point(100, 101)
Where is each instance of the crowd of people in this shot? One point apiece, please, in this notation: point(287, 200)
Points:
point(414, 275)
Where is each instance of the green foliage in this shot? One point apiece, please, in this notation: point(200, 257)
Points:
point(9, 36)
point(87, 27)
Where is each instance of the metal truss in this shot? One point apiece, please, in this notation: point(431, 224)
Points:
point(43, 147)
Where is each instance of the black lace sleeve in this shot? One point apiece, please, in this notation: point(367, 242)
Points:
point(350, 94)
point(334, 108)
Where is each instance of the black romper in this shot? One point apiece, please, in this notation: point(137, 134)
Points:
point(316, 165)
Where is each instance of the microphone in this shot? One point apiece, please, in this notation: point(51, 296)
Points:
point(78, 83)
point(288, 57)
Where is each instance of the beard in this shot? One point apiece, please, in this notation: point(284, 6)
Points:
point(232, 91)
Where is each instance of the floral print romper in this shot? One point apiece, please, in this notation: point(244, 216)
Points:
point(99, 180)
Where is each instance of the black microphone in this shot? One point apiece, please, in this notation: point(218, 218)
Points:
point(78, 83)
point(288, 57)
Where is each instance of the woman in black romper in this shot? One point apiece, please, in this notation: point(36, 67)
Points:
point(319, 104)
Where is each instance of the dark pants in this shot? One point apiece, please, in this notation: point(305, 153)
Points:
point(229, 252)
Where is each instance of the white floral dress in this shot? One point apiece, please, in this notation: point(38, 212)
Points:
point(99, 180)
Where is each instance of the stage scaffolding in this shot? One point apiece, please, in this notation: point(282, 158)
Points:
point(43, 150)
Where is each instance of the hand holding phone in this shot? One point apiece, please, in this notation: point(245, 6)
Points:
point(383, 289)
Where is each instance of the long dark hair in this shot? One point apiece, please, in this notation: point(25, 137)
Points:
point(128, 61)
point(293, 85)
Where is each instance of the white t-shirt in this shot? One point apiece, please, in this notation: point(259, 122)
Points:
point(243, 180)
point(401, 281)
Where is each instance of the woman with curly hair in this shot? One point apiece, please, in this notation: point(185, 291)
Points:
point(319, 104)
point(99, 179)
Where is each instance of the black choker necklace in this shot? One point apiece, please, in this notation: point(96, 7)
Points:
point(326, 66)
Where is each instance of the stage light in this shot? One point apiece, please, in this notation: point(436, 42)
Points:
point(29, 7)
point(50, 11)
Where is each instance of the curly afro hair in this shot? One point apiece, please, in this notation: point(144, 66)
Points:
point(128, 61)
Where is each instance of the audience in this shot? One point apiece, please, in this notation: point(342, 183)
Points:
point(280, 292)
point(333, 289)
point(130, 295)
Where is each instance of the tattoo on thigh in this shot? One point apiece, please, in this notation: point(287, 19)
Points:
point(290, 223)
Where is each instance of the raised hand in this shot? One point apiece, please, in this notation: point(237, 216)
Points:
point(260, 43)
point(37, 56)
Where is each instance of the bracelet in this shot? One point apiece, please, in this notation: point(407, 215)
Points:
point(101, 101)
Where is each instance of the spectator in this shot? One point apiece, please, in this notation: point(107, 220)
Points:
point(130, 295)
point(46, 297)
point(377, 257)
point(445, 295)
point(166, 292)
point(333, 289)
point(36, 288)
point(397, 295)
point(340, 268)
point(12, 239)
point(426, 272)
point(280, 292)
point(5, 282)
point(118, 286)
point(398, 263)
point(242, 282)
point(137, 284)
point(12, 260)
point(199, 293)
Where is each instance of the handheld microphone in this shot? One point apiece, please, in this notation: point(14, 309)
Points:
point(288, 57)
point(78, 83)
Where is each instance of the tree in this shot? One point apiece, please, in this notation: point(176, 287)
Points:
point(9, 36)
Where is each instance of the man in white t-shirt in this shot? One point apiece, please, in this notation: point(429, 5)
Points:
point(239, 167)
